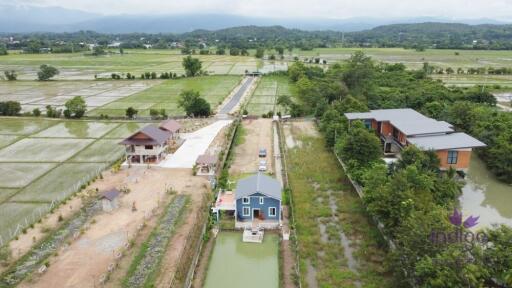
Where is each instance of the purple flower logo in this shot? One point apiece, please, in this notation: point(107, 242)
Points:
point(456, 219)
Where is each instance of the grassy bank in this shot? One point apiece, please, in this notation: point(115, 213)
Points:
point(326, 210)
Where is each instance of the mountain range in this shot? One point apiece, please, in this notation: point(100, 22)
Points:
point(23, 19)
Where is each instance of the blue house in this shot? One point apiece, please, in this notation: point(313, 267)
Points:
point(258, 201)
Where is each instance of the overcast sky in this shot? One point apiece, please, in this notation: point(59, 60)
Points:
point(456, 9)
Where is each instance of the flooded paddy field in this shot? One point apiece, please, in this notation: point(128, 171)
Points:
point(35, 94)
point(44, 161)
point(265, 96)
point(78, 66)
point(166, 95)
point(485, 196)
point(237, 264)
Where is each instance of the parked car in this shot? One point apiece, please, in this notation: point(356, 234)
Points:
point(263, 166)
point(263, 152)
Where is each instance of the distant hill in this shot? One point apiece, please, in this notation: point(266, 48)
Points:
point(27, 18)
point(439, 35)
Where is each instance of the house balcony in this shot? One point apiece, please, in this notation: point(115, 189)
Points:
point(156, 150)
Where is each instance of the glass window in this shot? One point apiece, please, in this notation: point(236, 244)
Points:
point(246, 211)
point(148, 147)
point(272, 211)
point(246, 200)
point(262, 200)
point(452, 157)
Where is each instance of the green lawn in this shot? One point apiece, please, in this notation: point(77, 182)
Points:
point(265, 96)
point(166, 95)
point(48, 160)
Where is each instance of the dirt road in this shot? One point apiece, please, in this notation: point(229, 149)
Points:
point(257, 134)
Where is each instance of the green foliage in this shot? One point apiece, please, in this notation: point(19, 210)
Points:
point(131, 112)
point(11, 75)
point(98, 51)
point(360, 145)
point(75, 108)
point(10, 108)
point(192, 66)
point(260, 52)
point(3, 50)
point(46, 72)
point(36, 112)
point(193, 104)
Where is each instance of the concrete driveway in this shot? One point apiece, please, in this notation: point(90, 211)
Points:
point(196, 143)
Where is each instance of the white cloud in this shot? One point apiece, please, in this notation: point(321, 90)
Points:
point(460, 9)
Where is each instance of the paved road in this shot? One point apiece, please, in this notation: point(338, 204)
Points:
point(238, 95)
point(196, 143)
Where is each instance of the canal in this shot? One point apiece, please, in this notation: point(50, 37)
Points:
point(236, 264)
point(485, 196)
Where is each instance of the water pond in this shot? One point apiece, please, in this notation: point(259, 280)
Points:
point(236, 264)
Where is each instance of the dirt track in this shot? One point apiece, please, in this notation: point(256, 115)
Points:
point(258, 134)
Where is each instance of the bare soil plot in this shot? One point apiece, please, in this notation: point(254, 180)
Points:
point(257, 134)
point(85, 260)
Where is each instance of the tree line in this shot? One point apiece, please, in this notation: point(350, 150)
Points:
point(412, 198)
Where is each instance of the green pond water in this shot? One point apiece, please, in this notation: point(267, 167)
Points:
point(485, 196)
point(236, 264)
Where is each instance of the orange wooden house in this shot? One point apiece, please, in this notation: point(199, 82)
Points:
point(398, 128)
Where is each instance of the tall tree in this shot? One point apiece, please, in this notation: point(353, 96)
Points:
point(191, 65)
point(46, 72)
point(193, 104)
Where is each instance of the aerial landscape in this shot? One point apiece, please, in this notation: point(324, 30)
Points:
point(170, 144)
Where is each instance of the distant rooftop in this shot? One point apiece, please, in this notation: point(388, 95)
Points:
point(170, 125)
point(447, 141)
point(407, 120)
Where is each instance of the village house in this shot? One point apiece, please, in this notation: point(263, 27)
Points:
point(398, 128)
point(172, 126)
point(147, 146)
point(258, 202)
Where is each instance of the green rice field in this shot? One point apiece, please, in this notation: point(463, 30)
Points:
point(166, 95)
point(78, 66)
point(43, 162)
point(265, 96)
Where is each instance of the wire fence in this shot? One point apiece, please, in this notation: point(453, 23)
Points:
point(38, 213)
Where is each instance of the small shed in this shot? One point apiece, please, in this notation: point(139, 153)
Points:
point(206, 164)
point(171, 126)
point(109, 200)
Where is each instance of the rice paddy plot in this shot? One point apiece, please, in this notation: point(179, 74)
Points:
point(7, 139)
point(102, 150)
point(166, 95)
point(5, 193)
point(18, 175)
point(265, 96)
point(23, 126)
point(59, 183)
point(18, 214)
point(36, 94)
point(42, 150)
point(77, 129)
point(124, 130)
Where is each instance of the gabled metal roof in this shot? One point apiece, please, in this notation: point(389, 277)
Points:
point(156, 137)
point(258, 183)
point(170, 125)
point(447, 141)
point(407, 120)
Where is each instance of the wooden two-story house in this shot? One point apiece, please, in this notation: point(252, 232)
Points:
point(147, 146)
point(398, 128)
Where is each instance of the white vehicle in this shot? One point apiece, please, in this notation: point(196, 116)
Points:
point(263, 166)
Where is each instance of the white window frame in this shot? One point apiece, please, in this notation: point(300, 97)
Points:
point(248, 211)
point(248, 200)
point(262, 200)
point(270, 214)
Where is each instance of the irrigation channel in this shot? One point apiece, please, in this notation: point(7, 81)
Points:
point(485, 196)
point(237, 264)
